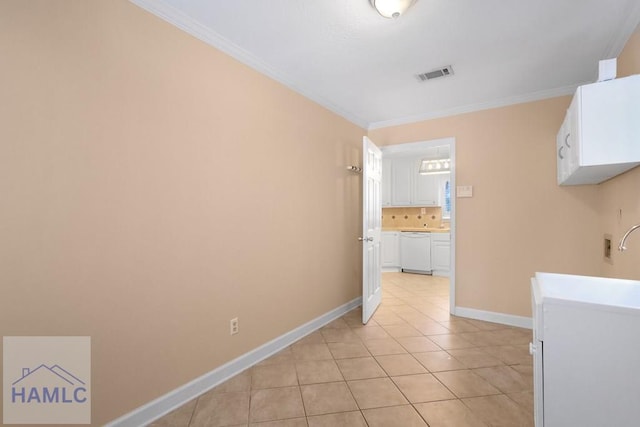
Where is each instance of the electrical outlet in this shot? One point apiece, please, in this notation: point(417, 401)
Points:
point(233, 326)
point(607, 248)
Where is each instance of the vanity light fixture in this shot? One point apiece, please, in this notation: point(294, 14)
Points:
point(391, 8)
point(434, 166)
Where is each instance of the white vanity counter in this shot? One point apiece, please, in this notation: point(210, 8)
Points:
point(586, 351)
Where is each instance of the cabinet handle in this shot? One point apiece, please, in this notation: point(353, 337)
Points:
point(566, 140)
point(560, 153)
point(532, 348)
point(365, 239)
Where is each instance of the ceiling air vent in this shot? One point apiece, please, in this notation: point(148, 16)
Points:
point(434, 74)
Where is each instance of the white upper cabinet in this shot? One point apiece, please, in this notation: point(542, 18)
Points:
point(386, 183)
point(406, 187)
point(600, 135)
point(426, 191)
point(402, 175)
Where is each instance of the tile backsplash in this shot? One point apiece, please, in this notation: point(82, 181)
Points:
point(411, 217)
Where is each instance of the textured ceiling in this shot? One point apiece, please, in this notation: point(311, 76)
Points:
point(345, 56)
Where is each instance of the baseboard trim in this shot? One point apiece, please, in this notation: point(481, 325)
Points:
point(440, 273)
point(181, 395)
point(492, 316)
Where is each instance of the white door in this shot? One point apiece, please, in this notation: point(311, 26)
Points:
point(371, 228)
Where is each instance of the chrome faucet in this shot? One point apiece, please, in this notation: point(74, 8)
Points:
point(621, 246)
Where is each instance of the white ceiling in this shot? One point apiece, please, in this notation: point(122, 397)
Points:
point(345, 56)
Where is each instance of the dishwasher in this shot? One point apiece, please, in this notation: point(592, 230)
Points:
point(415, 252)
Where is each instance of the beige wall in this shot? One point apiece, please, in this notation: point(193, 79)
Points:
point(620, 206)
point(152, 188)
point(519, 220)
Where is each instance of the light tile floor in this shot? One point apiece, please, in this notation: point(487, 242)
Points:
point(412, 365)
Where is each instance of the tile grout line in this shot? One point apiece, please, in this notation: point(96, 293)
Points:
point(347, 383)
point(193, 412)
point(418, 310)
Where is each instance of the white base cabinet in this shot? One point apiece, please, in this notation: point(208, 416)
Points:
point(390, 249)
point(440, 254)
point(417, 252)
point(586, 349)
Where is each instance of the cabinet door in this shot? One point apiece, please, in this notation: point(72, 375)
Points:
point(608, 122)
point(562, 157)
point(390, 249)
point(568, 150)
point(571, 139)
point(386, 182)
point(401, 175)
point(426, 191)
point(441, 256)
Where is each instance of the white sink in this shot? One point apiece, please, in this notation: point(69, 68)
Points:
point(592, 290)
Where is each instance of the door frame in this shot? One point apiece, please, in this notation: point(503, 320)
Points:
point(417, 148)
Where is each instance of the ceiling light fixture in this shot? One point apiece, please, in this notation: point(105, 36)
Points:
point(391, 8)
point(432, 167)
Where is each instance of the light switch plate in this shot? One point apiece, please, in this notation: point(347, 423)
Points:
point(464, 190)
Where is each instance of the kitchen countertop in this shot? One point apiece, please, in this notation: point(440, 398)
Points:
point(414, 229)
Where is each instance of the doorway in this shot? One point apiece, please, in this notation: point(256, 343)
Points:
point(425, 148)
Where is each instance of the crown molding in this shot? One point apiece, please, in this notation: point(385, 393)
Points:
point(201, 32)
point(191, 26)
point(504, 102)
point(620, 39)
